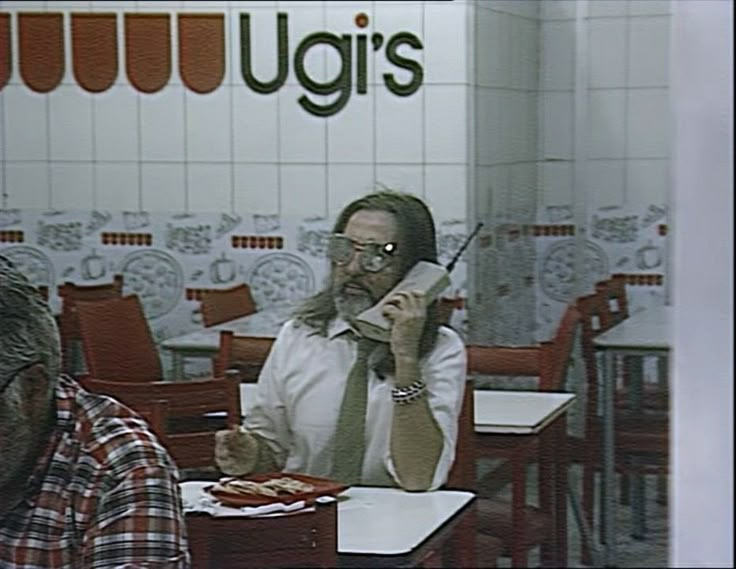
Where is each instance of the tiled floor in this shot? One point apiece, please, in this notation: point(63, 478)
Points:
point(651, 552)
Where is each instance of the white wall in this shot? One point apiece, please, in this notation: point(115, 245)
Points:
point(702, 442)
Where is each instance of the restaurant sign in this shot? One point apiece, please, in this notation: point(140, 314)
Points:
point(201, 51)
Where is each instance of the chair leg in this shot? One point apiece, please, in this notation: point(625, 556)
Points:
point(662, 490)
point(638, 501)
point(588, 503)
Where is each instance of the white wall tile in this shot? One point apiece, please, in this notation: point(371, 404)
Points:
point(27, 185)
point(607, 48)
point(399, 127)
point(304, 190)
point(117, 187)
point(606, 129)
point(557, 128)
point(493, 48)
point(523, 194)
point(212, 4)
point(648, 123)
point(351, 132)
point(649, 52)
point(209, 125)
point(558, 55)
point(209, 187)
point(557, 9)
point(489, 126)
point(162, 125)
point(556, 183)
point(647, 182)
point(524, 53)
point(26, 133)
point(605, 8)
point(163, 188)
point(389, 19)
point(256, 189)
point(523, 126)
point(649, 7)
point(303, 136)
point(70, 124)
point(446, 48)
point(606, 183)
point(401, 177)
point(256, 126)
point(116, 124)
point(346, 183)
point(71, 186)
point(446, 191)
point(526, 8)
point(446, 124)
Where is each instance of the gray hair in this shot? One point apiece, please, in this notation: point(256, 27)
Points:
point(28, 333)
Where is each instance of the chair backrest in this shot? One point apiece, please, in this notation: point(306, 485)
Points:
point(616, 304)
point(221, 305)
point(546, 360)
point(462, 472)
point(187, 436)
point(70, 293)
point(117, 341)
point(246, 354)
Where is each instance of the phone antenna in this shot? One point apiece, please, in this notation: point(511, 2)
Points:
point(453, 262)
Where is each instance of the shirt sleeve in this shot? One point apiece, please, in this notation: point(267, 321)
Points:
point(444, 372)
point(139, 523)
point(268, 417)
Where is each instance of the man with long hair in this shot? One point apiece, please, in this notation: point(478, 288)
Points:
point(84, 482)
point(331, 403)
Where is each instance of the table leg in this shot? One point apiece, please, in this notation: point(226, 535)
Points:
point(545, 488)
point(608, 499)
point(518, 509)
point(561, 492)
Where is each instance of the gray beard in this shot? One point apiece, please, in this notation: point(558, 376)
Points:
point(348, 307)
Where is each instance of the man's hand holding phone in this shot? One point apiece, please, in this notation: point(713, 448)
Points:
point(407, 312)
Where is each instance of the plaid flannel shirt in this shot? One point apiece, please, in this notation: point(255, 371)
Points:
point(104, 493)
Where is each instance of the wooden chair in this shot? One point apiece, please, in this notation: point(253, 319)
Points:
point(71, 293)
point(462, 476)
point(547, 361)
point(246, 354)
point(187, 435)
point(221, 305)
point(117, 341)
point(642, 433)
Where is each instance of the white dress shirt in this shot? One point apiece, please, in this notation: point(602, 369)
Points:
point(300, 391)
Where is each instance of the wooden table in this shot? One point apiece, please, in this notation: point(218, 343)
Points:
point(376, 527)
point(518, 425)
point(645, 333)
point(206, 343)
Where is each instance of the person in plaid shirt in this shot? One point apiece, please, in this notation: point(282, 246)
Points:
point(84, 483)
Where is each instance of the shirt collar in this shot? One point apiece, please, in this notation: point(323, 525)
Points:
point(338, 326)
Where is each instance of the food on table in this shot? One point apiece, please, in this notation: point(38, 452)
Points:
point(271, 488)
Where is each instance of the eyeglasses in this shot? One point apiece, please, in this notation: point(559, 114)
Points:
point(374, 257)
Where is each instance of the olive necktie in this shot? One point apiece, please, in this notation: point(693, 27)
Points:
point(350, 431)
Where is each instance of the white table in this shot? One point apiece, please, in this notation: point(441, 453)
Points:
point(523, 426)
point(206, 342)
point(387, 526)
point(644, 333)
